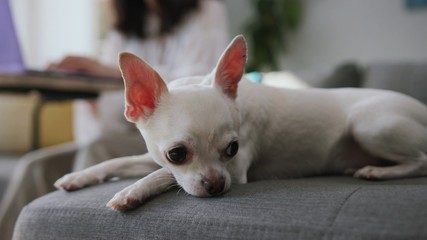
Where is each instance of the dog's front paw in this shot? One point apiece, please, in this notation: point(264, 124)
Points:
point(126, 199)
point(74, 181)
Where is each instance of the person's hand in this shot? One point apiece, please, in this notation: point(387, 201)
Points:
point(76, 64)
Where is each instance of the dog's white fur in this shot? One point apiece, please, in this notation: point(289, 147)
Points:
point(282, 133)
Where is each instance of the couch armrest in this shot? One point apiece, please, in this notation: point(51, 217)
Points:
point(406, 77)
point(33, 177)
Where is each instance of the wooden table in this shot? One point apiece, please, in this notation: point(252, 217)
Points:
point(58, 86)
point(55, 87)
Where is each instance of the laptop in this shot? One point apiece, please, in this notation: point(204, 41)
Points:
point(10, 53)
point(14, 73)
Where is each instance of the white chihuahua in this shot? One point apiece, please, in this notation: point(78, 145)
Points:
point(206, 132)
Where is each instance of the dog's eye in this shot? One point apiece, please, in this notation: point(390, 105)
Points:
point(177, 155)
point(232, 149)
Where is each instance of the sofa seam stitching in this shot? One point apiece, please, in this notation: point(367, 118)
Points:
point(339, 210)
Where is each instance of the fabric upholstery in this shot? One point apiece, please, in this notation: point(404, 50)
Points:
point(108, 147)
point(347, 74)
point(55, 123)
point(17, 121)
point(33, 176)
point(29, 122)
point(310, 208)
point(405, 77)
point(7, 165)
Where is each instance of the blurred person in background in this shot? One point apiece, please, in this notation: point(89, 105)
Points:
point(176, 37)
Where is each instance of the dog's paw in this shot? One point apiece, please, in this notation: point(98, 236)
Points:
point(126, 199)
point(370, 173)
point(74, 181)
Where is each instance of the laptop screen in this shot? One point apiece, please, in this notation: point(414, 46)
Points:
point(10, 53)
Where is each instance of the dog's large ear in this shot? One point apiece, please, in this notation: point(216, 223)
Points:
point(231, 67)
point(143, 87)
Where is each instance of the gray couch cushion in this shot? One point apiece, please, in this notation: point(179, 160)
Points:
point(347, 74)
point(311, 208)
point(406, 77)
point(8, 163)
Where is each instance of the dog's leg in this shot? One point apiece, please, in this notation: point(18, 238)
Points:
point(153, 184)
point(239, 166)
point(124, 167)
point(398, 139)
point(414, 168)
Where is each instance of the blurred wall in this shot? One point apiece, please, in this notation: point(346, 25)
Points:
point(333, 31)
point(51, 29)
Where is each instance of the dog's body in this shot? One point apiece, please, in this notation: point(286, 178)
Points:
point(206, 132)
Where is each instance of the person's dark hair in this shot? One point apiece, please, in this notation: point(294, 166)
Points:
point(131, 15)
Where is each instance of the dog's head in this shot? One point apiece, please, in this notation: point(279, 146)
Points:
point(192, 129)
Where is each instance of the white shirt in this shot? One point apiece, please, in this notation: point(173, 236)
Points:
point(193, 48)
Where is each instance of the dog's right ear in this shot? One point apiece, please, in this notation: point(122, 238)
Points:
point(143, 87)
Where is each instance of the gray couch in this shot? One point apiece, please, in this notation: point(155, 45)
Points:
point(329, 207)
point(7, 165)
point(28, 177)
point(312, 208)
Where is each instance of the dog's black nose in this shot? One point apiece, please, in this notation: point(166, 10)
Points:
point(214, 186)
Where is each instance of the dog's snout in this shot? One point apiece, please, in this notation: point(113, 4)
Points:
point(214, 186)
